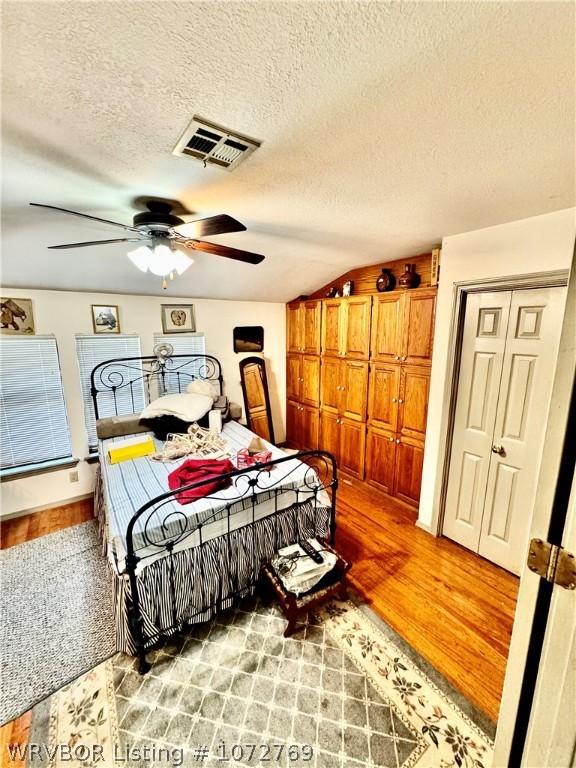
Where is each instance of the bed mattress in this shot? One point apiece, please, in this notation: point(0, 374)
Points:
point(129, 485)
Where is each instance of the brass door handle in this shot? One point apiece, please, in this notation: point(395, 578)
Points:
point(499, 449)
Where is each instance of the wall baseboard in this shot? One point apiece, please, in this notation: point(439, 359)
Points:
point(44, 507)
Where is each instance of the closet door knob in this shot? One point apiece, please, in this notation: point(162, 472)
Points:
point(499, 449)
point(393, 399)
point(397, 357)
point(400, 401)
point(398, 441)
point(391, 439)
point(403, 357)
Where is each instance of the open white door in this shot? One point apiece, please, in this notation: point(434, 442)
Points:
point(538, 667)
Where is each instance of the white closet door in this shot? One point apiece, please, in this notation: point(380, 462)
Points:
point(482, 357)
point(527, 375)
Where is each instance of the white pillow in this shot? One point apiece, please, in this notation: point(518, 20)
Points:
point(185, 406)
point(202, 387)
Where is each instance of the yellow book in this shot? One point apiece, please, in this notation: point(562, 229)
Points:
point(132, 448)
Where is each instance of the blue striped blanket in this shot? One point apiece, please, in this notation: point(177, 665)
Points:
point(129, 485)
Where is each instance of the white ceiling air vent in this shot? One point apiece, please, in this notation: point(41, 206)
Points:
point(214, 145)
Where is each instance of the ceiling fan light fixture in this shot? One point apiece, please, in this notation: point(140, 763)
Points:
point(160, 261)
point(181, 262)
point(140, 257)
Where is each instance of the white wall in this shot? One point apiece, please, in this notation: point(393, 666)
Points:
point(539, 244)
point(65, 314)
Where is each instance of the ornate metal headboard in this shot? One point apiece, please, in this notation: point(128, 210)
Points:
point(132, 381)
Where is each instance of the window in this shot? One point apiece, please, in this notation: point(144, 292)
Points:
point(92, 350)
point(183, 344)
point(33, 417)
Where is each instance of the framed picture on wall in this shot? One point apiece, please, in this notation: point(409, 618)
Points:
point(178, 318)
point(105, 319)
point(249, 338)
point(16, 316)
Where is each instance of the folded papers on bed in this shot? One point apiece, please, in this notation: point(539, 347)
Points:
point(195, 470)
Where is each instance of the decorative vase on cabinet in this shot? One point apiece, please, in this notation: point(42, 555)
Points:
point(386, 281)
point(410, 278)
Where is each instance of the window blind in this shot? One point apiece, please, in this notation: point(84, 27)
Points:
point(33, 418)
point(183, 344)
point(92, 350)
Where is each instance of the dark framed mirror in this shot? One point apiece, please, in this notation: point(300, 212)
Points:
point(249, 338)
point(256, 397)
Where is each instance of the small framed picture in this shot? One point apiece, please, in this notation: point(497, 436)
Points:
point(16, 316)
point(348, 288)
point(178, 318)
point(105, 319)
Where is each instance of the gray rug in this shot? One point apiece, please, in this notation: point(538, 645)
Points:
point(56, 615)
point(341, 693)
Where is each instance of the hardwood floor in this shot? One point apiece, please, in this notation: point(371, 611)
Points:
point(452, 606)
point(17, 531)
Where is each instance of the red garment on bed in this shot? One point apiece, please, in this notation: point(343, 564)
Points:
point(195, 470)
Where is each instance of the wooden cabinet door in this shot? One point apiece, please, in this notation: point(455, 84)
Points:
point(413, 401)
point(310, 428)
point(387, 327)
point(380, 459)
point(311, 317)
point(330, 434)
point(358, 317)
point(352, 447)
point(293, 423)
point(293, 377)
point(419, 312)
point(332, 321)
point(294, 327)
point(310, 381)
point(408, 476)
point(330, 384)
point(384, 391)
point(354, 389)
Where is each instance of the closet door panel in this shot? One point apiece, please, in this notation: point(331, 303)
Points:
point(408, 477)
point(331, 384)
point(312, 314)
point(358, 320)
point(354, 389)
point(294, 327)
point(413, 401)
point(293, 376)
point(332, 327)
point(384, 393)
point(352, 447)
point(310, 381)
point(380, 459)
point(483, 345)
point(525, 391)
point(387, 334)
point(330, 434)
point(419, 313)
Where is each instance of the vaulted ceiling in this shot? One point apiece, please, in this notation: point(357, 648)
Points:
point(385, 126)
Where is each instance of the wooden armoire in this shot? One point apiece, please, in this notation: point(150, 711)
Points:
point(358, 374)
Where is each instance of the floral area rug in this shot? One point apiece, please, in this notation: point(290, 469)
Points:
point(344, 692)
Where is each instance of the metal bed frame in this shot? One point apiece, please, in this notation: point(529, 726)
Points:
point(153, 530)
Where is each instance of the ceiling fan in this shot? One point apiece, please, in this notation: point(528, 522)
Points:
point(162, 235)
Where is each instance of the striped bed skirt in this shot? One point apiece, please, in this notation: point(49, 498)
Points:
point(192, 585)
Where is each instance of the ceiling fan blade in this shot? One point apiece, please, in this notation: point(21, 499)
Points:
point(87, 216)
point(99, 242)
point(224, 250)
point(213, 225)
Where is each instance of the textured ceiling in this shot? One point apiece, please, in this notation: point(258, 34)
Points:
point(385, 126)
